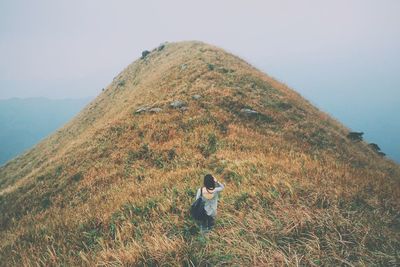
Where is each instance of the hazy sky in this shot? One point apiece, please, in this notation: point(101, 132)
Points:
point(343, 55)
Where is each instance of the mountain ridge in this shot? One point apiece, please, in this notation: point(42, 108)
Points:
point(114, 184)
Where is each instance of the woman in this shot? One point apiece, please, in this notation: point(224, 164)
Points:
point(209, 194)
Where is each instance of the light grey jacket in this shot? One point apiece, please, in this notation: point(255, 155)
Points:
point(210, 205)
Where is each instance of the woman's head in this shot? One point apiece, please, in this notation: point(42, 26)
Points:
point(209, 181)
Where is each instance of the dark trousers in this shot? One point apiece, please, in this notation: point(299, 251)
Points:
point(208, 222)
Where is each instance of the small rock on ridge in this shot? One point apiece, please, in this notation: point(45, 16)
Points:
point(141, 109)
point(248, 111)
point(155, 110)
point(177, 104)
point(196, 97)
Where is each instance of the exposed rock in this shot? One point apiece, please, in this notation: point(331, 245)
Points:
point(147, 109)
point(248, 111)
point(177, 104)
point(155, 110)
point(141, 110)
point(184, 108)
point(196, 97)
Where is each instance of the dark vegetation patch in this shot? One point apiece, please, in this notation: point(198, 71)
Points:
point(218, 166)
point(159, 159)
point(29, 198)
point(116, 131)
point(356, 163)
point(233, 177)
point(223, 127)
point(311, 138)
point(276, 104)
point(225, 70)
point(91, 232)
point(190, 124)
point(264, 118)
point(220, 69)
point(162, 135)
point(121, 83)
point(145, 53)
point(376, 149)
point(320, 139)
point(45, 201)
point(283, 106)
point(44, 177)
point(355, 136)
point(144, 153)
point(77, 177)
point(296, 117)
point(256, 83)
point(161, 47)
point(241, 201)
point(171, 154)
point(210, 147)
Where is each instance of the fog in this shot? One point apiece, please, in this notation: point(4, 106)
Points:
point(341, 55)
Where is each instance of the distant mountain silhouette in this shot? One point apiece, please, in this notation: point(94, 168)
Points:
point(26, 121)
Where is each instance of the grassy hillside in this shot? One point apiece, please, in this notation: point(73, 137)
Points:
point(24, 122)
point(113, 187)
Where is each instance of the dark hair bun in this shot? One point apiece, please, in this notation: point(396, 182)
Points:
point(209, 181)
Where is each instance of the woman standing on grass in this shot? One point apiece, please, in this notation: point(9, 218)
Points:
point(209, 193)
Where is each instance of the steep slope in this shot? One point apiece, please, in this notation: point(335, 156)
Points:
point(113, 186)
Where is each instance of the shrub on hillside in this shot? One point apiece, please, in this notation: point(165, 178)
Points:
point(375, 147)
point(355, 136)
point(45, 202)
point(121, 83)
point(160, 47)
point(77, 177)
point(211, 146)
point(145, 53)
point(283, 106)
point(143, 153)
point(159, 159)
point(241, 200)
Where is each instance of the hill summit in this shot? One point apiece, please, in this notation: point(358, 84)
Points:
point(114, 185)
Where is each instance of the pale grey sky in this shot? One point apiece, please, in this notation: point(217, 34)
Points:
point(343, 55)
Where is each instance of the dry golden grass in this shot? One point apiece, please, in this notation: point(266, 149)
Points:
point(113, 188)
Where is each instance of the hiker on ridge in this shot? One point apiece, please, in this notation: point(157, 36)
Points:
point(209, 194)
